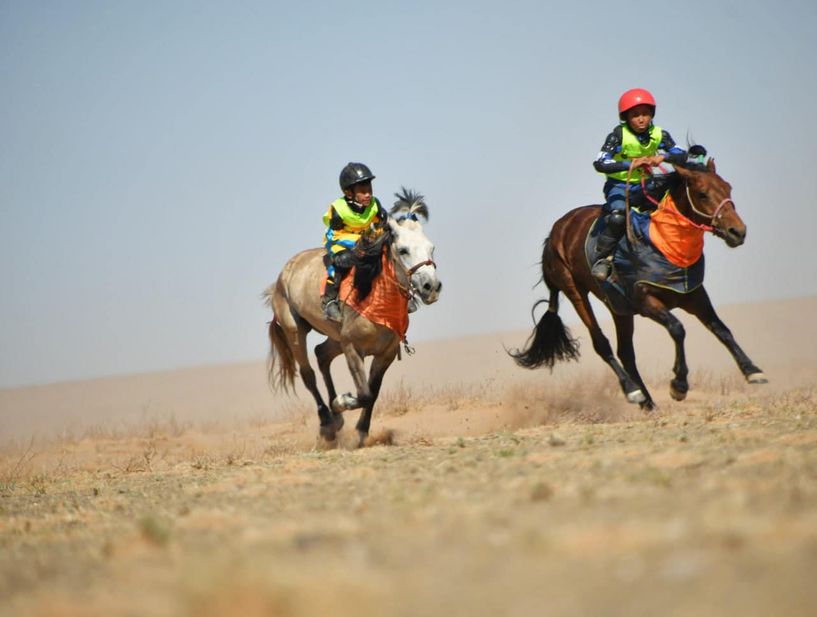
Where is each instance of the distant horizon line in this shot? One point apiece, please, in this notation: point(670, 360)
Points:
point(422, 342)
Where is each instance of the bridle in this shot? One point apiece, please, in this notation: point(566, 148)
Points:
point(415, 267)
point(408, 288)
point(712, 217)
point(409, 272)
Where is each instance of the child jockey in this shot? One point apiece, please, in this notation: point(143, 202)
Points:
point(636, 142)
point(346, 219)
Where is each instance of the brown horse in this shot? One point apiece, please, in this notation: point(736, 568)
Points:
point(700, 195)
point(296, 305)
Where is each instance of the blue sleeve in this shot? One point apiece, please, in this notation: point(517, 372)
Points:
point(672, 153)
point(604, 162)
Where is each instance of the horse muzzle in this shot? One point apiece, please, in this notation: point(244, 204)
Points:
point(733, 236)
point(427, 287)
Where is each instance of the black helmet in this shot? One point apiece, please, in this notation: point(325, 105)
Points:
point(354, 173)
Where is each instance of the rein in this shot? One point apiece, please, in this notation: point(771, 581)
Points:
point(628, 224)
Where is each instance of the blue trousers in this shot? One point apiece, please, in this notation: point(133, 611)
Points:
point(615, 193)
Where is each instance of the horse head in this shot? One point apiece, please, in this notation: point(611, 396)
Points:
point(706, 199)
point(412, 248)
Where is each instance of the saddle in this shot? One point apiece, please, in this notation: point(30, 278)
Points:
point(666, 252)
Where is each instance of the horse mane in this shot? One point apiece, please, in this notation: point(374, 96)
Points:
point(409, 205)
point(367, 260)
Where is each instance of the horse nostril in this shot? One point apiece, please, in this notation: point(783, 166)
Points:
point(427, 287)
point(737, 233)
point(439, 286)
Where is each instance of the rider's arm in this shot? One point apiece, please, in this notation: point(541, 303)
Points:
point(671, 152)
point(604, 162)
point(335, 221)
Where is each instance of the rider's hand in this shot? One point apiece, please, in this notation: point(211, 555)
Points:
point(647, 161)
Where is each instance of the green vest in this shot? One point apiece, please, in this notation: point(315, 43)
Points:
point(631, 149)
point(353, 221)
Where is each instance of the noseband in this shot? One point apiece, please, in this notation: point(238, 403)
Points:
point(713, 218)
point(409, 272)
point(415, 267)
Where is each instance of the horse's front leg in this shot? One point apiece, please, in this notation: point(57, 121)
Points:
point(655, 309)
point(380, 365)
point(699, 304)
point(357, 367)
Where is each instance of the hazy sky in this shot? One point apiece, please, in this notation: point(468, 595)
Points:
point(161, 161)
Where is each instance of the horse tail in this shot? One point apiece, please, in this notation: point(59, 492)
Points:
point(550, 341)
point(281, 361)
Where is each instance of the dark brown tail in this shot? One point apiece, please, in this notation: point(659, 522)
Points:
point(550, 341)
point(284, 377)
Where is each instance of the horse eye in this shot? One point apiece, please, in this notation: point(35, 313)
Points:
point(702, 195)
point(403, 251)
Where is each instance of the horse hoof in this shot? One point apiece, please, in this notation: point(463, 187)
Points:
point(324, 442)
point(328, 432)
point(676, 394)
point(648, 405)
point(757, 378)
point(362, 439)
point(636, 396)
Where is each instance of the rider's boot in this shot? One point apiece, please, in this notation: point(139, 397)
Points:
point(602, 269)
point(606, 244)
point(329, 302)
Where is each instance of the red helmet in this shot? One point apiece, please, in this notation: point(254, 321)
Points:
point(631, 98)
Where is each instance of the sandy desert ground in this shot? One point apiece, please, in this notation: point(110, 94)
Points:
point(486, 489)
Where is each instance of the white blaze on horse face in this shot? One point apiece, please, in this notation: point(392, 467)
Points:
point(415, 250)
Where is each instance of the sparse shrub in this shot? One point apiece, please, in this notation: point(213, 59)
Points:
point(155, 530)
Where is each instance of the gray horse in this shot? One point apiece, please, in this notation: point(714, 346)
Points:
point(296, 306)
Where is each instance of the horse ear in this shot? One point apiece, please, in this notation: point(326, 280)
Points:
point(710, 165)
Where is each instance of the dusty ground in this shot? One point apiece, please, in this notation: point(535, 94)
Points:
point(528, 495)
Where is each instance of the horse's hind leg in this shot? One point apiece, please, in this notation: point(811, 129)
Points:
point(602, 346)
point(626, 353)
point(326, 352)
point(698, 304)
point(328, 428)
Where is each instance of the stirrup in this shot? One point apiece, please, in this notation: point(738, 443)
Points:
point(602, 269)
point(331, 310)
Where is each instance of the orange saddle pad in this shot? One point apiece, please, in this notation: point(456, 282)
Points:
point(386, 304)
point(680, 240)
